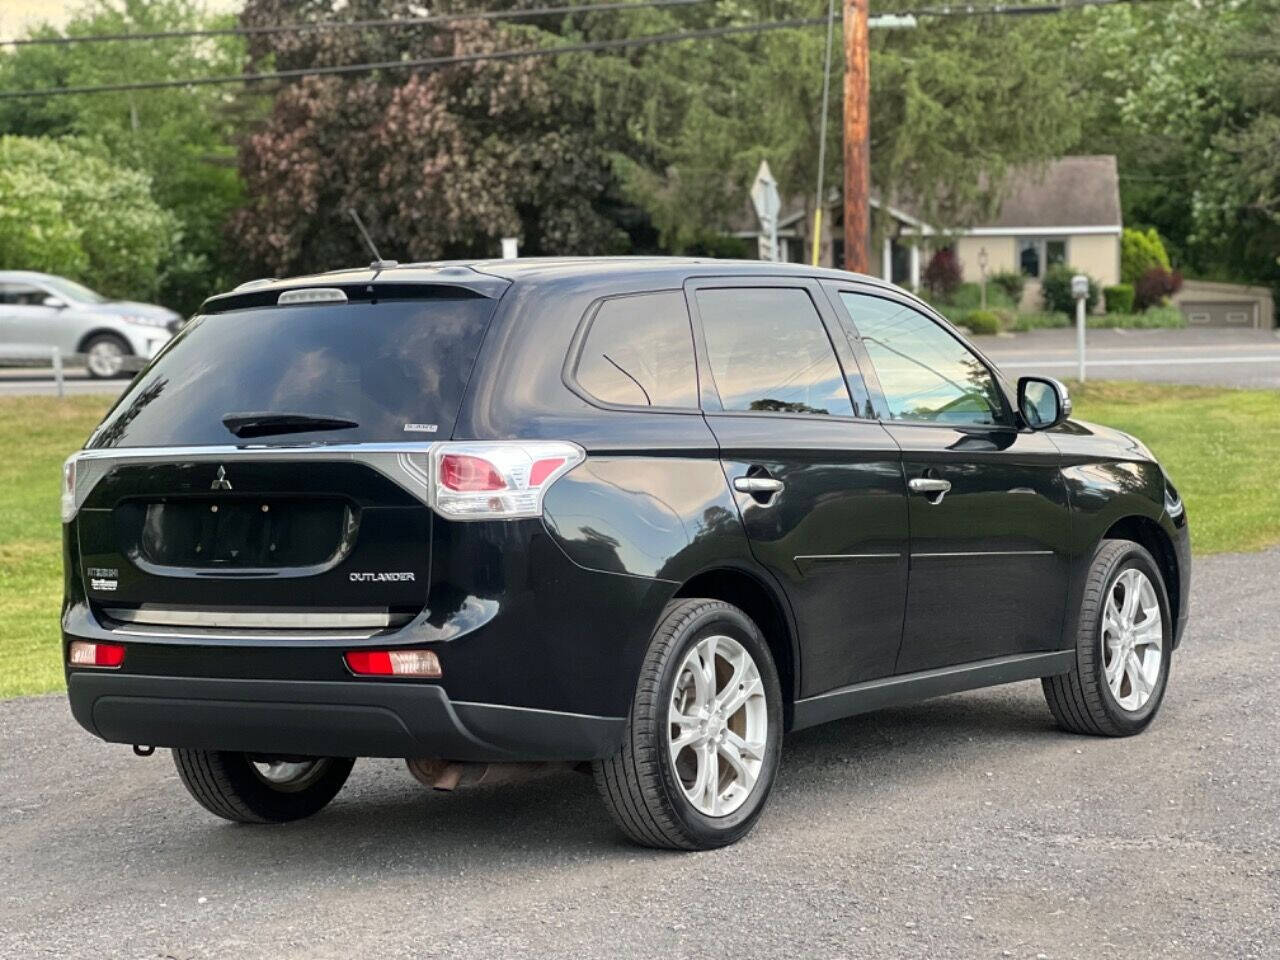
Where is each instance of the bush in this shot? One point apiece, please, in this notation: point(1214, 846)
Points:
point(1056, 289)
point(968, 296)
point(982, 321)
point(1140, 252)
point(1156, 318)
point(1011, 282)
point(1039, 321)
point(1119, 298)
point(1155, 287)
point(942, 276)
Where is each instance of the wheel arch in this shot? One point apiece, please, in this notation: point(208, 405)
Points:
point(1148, 534)
point(104, 331)
point(765, 604)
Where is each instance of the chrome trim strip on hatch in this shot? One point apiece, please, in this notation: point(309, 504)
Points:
point(234, 451)
point(251, 619)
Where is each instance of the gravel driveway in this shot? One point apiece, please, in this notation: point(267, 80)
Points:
point(963, 827)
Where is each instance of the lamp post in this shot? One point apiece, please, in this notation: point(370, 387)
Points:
point(982, 266)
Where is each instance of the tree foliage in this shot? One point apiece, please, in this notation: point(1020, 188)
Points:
point(181, 139)
point(67, 210)
point(1140, 250)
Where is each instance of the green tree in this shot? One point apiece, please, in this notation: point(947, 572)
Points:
point(180, 138)
point(1140, 250)
point(1186, 97)
point(65, 209)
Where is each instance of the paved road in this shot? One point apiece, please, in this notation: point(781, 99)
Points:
point(1231, 358)
point(1228, 358)
point(963, 827)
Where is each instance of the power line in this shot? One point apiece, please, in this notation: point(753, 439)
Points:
point(425, 63)
point(946, 10)
point(619, 43)
point(321, 25)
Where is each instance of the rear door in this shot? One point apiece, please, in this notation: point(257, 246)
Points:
point(817, 481)
point(989, 515)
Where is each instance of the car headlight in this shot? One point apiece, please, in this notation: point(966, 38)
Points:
point(145, 321)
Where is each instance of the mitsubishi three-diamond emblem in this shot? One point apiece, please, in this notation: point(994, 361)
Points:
point(220, 482)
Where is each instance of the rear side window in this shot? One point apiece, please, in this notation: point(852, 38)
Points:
point(769, 352)
point(397, 368)
point(638, 352)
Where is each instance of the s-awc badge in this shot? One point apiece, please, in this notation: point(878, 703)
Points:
point(102, 578)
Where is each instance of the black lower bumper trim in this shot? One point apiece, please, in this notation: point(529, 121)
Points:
point(319, 718)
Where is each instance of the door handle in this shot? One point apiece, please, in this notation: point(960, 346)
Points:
point(757, 485)
point(934, 489)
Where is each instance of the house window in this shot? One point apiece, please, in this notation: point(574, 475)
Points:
point(1038, 254)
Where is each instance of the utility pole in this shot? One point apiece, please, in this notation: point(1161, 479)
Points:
point(857, 137)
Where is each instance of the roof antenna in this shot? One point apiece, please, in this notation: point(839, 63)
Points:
point(378, 262)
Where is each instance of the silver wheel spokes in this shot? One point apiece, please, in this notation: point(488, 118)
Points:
point(105, 358)
point(1132, 639)
point(287, 775)
point(718, 723)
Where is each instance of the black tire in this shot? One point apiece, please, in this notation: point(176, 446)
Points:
point(110, 340)
point(1082, 701)
point(228, 785)
point(639, 783)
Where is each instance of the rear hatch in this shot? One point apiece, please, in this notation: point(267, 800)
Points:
point(267, 472)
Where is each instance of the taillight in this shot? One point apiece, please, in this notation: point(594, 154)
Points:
point(393, 663)
point(69, 505)
point(502, 480)
point(81, 653)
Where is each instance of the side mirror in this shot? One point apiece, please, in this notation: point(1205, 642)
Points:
point(56, 302)
point(1043, 402)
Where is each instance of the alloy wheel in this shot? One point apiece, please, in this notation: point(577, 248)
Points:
point(105, 358)
point(289, 776)
point(718, 724)
point(1132, 639)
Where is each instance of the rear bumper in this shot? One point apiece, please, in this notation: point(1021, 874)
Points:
point(328, 718)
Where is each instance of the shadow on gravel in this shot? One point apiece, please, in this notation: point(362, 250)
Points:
point(384, 824)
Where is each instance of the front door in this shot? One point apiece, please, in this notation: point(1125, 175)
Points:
point(988, 507)
point(817, 480)
point(25, 320)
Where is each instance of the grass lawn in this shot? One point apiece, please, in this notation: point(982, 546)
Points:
point(1220, 447)
point(36, 435)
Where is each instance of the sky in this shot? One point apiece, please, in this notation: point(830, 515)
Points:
point(16, 16)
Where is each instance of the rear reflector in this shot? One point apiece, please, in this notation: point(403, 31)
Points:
point(393, 663)
point(84, 654)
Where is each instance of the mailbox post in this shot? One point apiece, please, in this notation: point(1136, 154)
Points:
point(1080, 290)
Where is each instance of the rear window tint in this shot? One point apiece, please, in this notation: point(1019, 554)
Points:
point(769, 352)
point(396, 368)
point(639, 353)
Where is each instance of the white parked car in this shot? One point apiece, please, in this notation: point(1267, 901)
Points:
point(114, 336)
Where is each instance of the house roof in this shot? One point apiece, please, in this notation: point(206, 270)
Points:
point(1067, 192)
point(1070, 192)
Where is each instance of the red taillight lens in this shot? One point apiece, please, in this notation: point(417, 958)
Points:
point(542, 469)
point(84, 654)
point(469, 474)
point(393, 663)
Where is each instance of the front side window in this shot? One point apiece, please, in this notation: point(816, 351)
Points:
point(769, 352)
point(926, 373)
point(21, 295)
point(639, 352)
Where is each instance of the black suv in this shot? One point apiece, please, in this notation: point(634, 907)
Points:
point(646, 513)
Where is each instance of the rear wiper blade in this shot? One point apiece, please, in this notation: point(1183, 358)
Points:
point(267, 424)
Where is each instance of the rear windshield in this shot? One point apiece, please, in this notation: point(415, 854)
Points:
point(397, 369)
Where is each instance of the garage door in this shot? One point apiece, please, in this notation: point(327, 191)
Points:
point(1237, 314)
